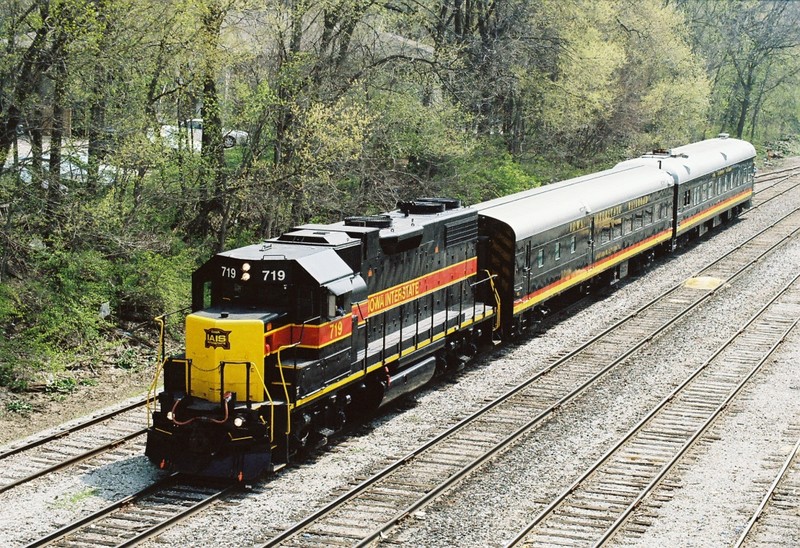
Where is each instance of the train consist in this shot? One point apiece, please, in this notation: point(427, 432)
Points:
point(291, 338)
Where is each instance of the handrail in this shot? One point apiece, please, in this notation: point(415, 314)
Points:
point(162, 328)
point(154, 385)
point(491, 278)
point(271, 406)
point(285, 390)
point(151, 391)
point(302, 330)
point(283, 378)
point(222, 365)
point(161, 320)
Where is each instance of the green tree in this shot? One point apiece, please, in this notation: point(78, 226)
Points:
point(751, 50)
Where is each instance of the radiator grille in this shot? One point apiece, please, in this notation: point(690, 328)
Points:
point(461, 231)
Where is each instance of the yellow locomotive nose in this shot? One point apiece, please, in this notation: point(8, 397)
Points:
point(227, 355)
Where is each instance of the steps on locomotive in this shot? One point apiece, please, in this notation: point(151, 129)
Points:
point(276, 467)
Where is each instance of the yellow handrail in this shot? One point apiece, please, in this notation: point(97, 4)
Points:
point(161, 320)
point(152, 389)
point(496, 299)
point(285, 391)
point(271, 406)
point(154, 385)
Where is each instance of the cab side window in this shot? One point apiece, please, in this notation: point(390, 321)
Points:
point(334, 305)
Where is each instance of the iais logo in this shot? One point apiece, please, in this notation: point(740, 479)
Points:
point(218, 338)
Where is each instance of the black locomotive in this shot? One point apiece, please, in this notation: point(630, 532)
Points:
point(291, 338)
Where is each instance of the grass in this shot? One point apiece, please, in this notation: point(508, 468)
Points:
point(75, 499)
point(20, 407)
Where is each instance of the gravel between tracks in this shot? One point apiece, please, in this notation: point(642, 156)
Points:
point(716, 490)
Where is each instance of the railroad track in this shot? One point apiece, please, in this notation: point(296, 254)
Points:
point(598, 504)
point(777, 514)
point(138, 517)
point(369, 511)
point(767, 176)
point(780, 186)
point(98, 434)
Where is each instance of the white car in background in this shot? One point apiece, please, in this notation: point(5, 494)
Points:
point(192, 131)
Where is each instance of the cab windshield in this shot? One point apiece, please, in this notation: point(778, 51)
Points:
point(251, 296)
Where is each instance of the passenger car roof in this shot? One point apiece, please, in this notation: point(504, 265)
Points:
point(689, 162)
point(542, 208)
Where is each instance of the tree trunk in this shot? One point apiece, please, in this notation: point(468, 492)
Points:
point(212, 175)
point(95, 135)
point(56, 136)
point(28, 74)
point(744, 104)
point(37, 143)
point(100, 138)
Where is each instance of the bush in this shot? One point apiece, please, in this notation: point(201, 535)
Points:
point(149, 285)
point(64, 385)
point(9, 376)
point(52, 316)
point(488, 174)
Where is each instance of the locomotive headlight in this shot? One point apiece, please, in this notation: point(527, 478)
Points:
point(245, 276)
point(170, 416)
point(246, 267)
point(238, 422)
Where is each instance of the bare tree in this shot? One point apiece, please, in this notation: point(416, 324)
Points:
point(751, 47)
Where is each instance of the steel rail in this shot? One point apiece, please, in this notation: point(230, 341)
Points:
point(774, 172)
point(91, 421)
point(73, 460)
point(770, 492)
point(548, 511)
point(768, 200)
point(689, 443)
point(77, 524)
point(177, 518)
point(454, 479)
point(135, 537)
point(341, 500)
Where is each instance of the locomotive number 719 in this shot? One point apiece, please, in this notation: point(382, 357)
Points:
point(274, 275)
point(336, 329)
